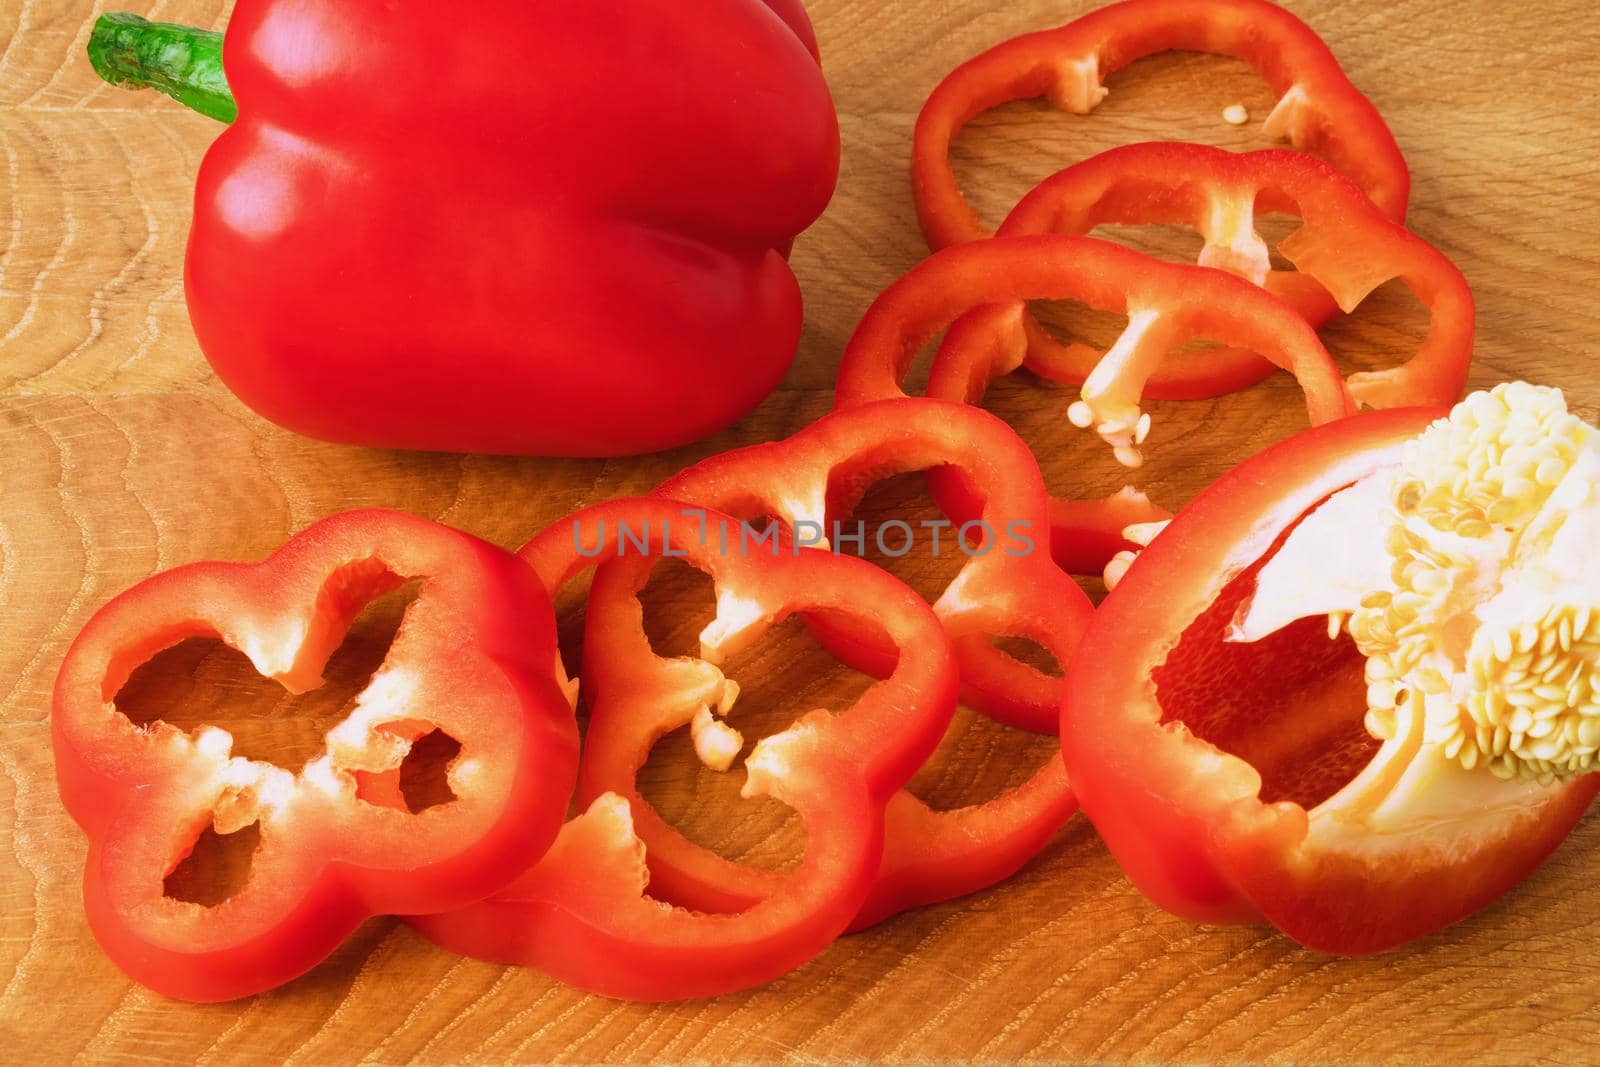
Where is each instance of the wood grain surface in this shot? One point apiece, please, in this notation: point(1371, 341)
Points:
point(123, 455)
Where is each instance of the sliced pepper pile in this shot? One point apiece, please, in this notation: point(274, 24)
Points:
point(816, 478)
point(581, 913)
point(1353, 689)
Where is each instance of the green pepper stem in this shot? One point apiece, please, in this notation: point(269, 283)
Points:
point(181, 61)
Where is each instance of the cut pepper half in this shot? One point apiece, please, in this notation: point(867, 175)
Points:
point(814, 477)
point(582, 913)
point(1351, 689)
point(472, 659)
point(1317, 109)
point(1345, 247)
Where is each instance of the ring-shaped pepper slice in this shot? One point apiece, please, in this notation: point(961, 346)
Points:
point(582, 914)
point(1317, 110)
point(472, 658)
point(1167, 304)
point(1344, 248)
point(1244, 760)
point(819, 473)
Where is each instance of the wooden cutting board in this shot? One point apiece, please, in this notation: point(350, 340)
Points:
point(123, 456)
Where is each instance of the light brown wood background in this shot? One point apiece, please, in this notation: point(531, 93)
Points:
point(122, 455)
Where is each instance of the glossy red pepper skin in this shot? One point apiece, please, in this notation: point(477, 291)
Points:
point(1344, 248)
point(472, 659)
point(1317, 110)
point(1183, 816)
point(581, 914)
point(1012, 589)
point(418, 231)
point(793, 13)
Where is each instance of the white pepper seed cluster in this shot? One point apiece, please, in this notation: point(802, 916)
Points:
point(1495, 460)
point(1533, 711)
point(1534, 707)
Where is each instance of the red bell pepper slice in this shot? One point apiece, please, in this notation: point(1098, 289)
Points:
point(1168, 304)
point(581, 914)
point(418, 218)
point(472, 659)
point(1241, 765)
point(1317, 110)
point(820, 474)
point(1346, 246)
point(809, 481)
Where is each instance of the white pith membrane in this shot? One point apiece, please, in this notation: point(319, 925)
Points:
point(739, 623)
point(246, 790)
point(233, 792)
point(1139, 533)
point(1470, 580)
point(1109, 401)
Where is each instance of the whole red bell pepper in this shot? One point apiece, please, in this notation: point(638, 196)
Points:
point(1245, 758)
point(585, 913)
point(337, 844)
point(421, 229)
